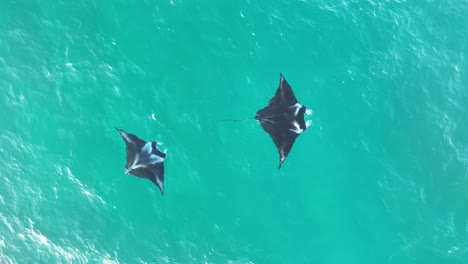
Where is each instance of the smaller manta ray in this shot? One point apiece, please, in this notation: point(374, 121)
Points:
point(144, 159)
point(283, 119)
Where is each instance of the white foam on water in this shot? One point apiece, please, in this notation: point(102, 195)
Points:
point(38, 237)
point(82, 187)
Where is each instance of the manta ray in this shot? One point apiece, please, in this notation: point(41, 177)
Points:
point(144, 159)
point(283, 119)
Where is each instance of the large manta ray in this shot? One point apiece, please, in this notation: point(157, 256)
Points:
point(144, 159)
point(283, 119)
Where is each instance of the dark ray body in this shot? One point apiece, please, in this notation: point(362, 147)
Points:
point(144, 159)
point(283, 119)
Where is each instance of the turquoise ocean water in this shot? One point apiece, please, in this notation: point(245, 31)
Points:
point(380, 177)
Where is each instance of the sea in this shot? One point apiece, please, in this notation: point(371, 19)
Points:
point(381, 176)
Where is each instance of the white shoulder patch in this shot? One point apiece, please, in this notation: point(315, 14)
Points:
point(296, 107)
point(147, 148)
point(155, 159)
point(296, 128)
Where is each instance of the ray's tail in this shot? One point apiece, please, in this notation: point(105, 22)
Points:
point(236, 120)
point(115, 181)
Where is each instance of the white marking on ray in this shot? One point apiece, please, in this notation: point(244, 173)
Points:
point(159, 182)
point(308, 123)
point(125, 135)
point(147, 148)
point(155, 159)
point(267, 120)
point(297, 129)
point(308, 111)
point(136, 166)
point(296, 107)
point(139, 166)
point(137, 157)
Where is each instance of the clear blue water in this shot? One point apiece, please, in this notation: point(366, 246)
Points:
point(381, 176)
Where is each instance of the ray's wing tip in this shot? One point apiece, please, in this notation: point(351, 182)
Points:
point(160, 183)
point(281, 163)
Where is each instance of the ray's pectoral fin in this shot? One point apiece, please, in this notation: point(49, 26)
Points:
point(157, 178)
point(133, 146)
point(131, 140)
point(154, 173)
point(285, 91)
point(284, 145)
